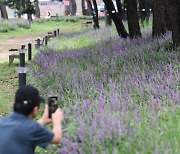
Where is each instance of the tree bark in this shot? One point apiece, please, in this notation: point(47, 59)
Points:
point(124, 4)
point(119, 8)
point(175, 20)
point(89, 8)
point(37, 9)
point(93, 13)
point(28, 7)
point(159, 22)
point(108, 20)
point(144, 10)
point(74, 7)
point(83, 7)
point(133, 21)
point(96, 21)
point(116, 19)
point(4, 13)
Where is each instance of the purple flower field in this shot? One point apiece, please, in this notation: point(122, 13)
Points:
point(118, 96)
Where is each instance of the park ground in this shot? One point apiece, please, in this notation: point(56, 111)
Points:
point(118, 95)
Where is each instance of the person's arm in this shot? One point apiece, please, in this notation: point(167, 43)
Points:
point(57, 118)
point(44, 120)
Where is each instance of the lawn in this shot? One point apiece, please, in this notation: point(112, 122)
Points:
point(20, 27)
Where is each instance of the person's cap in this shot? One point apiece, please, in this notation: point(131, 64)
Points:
point(28, 95)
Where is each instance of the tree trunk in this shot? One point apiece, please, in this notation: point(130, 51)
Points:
point(3, 11)
point(144, 10)
point(167, 9)
point(159, 22)
point(108, 21)
point(133, 21)
point(83, 7)
point(37, 9)
point(116, 19)
point(29, 9)
point(119, 8)
point(74, 7)
point(92, 12)
point(96, 22)
point(175, 21)
point(124, 4)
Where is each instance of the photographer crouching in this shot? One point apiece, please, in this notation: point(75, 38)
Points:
point(19, 133)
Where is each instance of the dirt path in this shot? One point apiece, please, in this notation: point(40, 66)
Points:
point(14, 43)
point(18, 41)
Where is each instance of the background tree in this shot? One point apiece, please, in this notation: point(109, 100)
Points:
point(108, 20)
point(83, 7)
point(174, 15)
point(37, 9)
point(159, 22)
point(116, 18)
point(73, 8)
point(124, 6)
point(3, 10)
point(95, 11)
point(144, 10)
point(21, 7)
point(95, 21)
point(119, 8)
point(133, 20)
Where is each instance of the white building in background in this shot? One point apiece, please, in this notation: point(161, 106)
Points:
point(50, 8)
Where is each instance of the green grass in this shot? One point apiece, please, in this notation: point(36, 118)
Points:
point(37, 28)
point(9, 83)
point(8, 74)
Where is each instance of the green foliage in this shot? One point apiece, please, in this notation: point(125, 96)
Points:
point(21, 6)
point(6, 28)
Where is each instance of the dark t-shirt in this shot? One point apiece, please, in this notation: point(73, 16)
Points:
point(20, 135)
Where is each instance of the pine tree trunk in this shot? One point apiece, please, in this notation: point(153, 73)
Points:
point(119, 8)
point(144, 10)
point(37, 9)
point(83, 7)
point(133, 21)
point(28, 5)
point(116, 19)
point(175, 21)
point(89, 8)
point(124, 4)
point(96, 21)
point(3, 10)
point(74, 7)
point(108, 21)
point(167, 15)
point(159, 22)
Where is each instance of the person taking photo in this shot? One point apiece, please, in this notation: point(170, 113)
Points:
point(20, 133)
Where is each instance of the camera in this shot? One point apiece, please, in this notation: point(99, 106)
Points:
point(53, 104)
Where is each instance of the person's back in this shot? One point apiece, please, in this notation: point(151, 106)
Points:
point(20, 134)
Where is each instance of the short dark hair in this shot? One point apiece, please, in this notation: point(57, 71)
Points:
point(26, 98)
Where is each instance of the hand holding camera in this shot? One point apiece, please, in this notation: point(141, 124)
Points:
point(53, 105)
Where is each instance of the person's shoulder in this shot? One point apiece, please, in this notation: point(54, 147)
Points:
point(4, 118)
